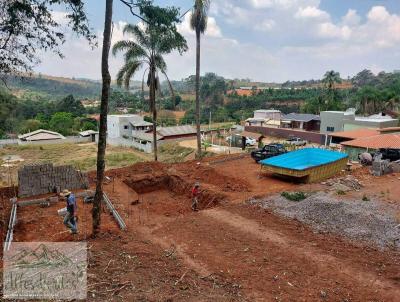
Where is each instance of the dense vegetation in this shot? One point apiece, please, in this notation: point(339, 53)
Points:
point(43, 98)
point(55, 87)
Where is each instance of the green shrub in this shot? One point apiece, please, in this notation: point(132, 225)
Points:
point(340, 192)
point(365, 198)
point(294, 196)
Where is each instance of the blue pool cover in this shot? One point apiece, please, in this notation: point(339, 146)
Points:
point(304, 159)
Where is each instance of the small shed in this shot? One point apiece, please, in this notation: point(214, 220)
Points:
point(89, 133)
point(177, 132)
point(41, 135)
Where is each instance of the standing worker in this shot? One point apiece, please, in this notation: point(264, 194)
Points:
point(195, 194)
point(70, 218)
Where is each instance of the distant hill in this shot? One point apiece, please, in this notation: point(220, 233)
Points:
point(57, 87)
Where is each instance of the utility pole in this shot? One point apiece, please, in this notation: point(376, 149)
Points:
point(209, 125)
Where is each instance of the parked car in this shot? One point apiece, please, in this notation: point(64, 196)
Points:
point(249, 141)
point(296, 141)
point(268, 151)
point(390, 154)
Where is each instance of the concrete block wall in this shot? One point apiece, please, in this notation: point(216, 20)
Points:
point(46, 178)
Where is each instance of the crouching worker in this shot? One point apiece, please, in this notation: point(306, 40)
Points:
point(70, 219)
point(195, 196)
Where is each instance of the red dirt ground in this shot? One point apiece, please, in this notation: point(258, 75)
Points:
point(228, 251)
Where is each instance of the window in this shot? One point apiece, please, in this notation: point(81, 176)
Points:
point(330, 129)
point(126, 127)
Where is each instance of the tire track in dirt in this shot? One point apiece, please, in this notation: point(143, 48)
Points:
point(323, 260)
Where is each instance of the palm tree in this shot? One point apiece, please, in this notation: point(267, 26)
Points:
point(331, 78)
point(198, 23)
point(105, 92)
point(150, 43)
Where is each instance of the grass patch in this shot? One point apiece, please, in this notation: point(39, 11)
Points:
point(294, 196)
point(340, 192)
point(112, 160)
point(173, 153)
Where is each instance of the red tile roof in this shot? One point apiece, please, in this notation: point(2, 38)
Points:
point(358, 133)
point(376, 141)
point(389, 129)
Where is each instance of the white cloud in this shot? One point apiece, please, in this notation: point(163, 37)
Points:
point(301, 41)
point(266, 25)
point(378, 14)
point(351, 18)
point(330, 30)
point(311, 12)
point(282, 4)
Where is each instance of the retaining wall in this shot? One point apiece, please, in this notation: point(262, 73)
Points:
point(313, 137)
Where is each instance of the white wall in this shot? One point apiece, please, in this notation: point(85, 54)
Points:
point(113, 126)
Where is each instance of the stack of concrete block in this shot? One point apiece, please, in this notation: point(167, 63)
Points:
point(380, 167)
point(46, 178)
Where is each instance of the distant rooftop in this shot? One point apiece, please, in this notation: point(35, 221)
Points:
point(376, 141)
point(357, 133)
point(301, 117)
point(268, 111)
point(176, 130)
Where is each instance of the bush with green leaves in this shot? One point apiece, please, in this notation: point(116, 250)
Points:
point(294, 196)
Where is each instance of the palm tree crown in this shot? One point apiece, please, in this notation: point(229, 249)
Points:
point(331, 78)
point(198, 19)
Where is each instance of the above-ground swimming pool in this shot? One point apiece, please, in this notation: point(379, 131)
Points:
point(312, 164)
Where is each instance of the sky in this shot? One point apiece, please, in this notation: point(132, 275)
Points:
point(263, 40)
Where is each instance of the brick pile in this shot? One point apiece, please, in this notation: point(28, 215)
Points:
point(46, 178)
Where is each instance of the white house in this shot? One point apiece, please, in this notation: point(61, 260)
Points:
point(41, 135)
point(122, 126)
point(266, 118)
point(334, 121)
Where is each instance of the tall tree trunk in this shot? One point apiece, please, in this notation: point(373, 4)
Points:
point(153, 106)
point(198, 93)
point(105, 92)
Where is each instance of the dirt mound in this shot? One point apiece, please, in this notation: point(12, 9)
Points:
point(173, 183)
point(205, 173)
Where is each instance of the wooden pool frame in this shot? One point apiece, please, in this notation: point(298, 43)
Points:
point(312, 174)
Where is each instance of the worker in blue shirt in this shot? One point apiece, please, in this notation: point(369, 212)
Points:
point(70, 220)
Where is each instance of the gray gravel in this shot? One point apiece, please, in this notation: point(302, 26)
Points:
point(369, 221)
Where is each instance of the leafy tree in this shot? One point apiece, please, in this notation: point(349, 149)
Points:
point(364, 78)
point(71, 105)
point(62, 122)
point(7, 109)
point(30, 125)
point(158, 37)
point(29, 25)
point(198, 22)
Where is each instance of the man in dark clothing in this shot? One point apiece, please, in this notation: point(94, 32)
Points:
point(70, 218)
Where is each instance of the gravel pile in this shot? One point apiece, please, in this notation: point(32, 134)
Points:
point(355, 219)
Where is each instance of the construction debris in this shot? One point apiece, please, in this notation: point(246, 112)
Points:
point(45, 178)
point(114, 212)
point(11, 223)
point(380, 167)
point(347, 183)
point(355, 219)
